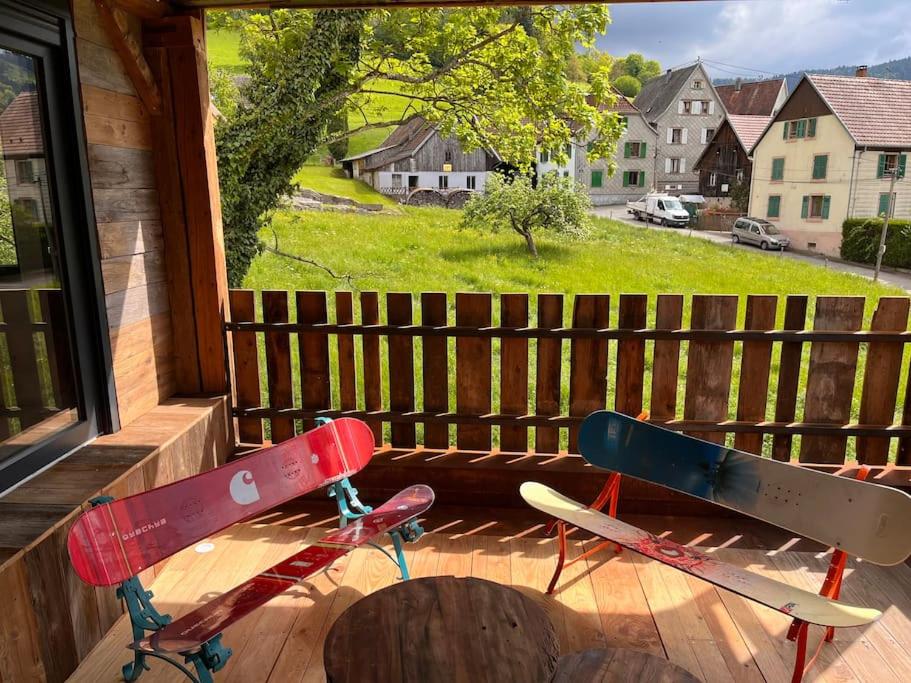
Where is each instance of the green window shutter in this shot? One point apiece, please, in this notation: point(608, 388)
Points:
point(777, 169)
point(787, 124)
point(881, 166)
point(811, 128)
point(596, 178)
point(883, 204)
point(820, 166)
point(805, 207)
point(774, 206)
point(626, 179)
point(641, 178)
point(589, 147)
point(802, 128)
point(626, 150)
point(642, 150)
point(902, 161)
point(826, 201)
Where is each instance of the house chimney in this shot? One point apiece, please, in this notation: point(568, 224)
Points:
point(738, 83)
point(861, 71)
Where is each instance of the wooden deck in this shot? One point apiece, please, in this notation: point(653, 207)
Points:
point(624, 601)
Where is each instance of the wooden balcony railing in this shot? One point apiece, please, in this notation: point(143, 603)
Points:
point(522, 385)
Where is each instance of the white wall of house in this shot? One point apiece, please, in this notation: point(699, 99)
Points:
point(546, 163)
point(635, 166)
point(870, 187)
point(678, 151)
point(812, 232)
point(431, 179)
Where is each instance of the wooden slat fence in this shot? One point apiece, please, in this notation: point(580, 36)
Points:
point(35, 363)
point(498, 381)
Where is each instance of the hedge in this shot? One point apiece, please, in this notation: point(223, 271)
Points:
point(860, 240)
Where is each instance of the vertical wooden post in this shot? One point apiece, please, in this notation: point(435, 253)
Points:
point(587, 361)
point(666, 358)
point(795, 318)
point(755, 364)
point(435, 370)
point(278, 363)
point(548, 364)
point(631, 355)
point(514, 372)
point(473, 368)
point(401, 368)
point(187, 177)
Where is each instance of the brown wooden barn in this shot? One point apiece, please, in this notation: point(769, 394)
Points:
point(726, 160)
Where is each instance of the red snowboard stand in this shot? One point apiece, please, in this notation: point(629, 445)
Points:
point(831, 588)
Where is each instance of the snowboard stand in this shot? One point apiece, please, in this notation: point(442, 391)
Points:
point(610, 497)
point(831, 588)
point(211, 657)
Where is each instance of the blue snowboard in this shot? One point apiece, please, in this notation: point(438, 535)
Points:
point(862, 518)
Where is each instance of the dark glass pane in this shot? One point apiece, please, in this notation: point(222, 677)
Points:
point(37, 394)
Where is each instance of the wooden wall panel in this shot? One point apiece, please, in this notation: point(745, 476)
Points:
point(128, 216)
point(755, 365)
point(473, 368)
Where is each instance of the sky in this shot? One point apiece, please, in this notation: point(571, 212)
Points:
point(774, 36)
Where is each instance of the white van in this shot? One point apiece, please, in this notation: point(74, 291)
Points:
point(660, 208)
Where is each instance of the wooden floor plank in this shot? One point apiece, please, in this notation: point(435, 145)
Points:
point(606, 600)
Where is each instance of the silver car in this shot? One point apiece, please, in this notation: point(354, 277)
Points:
point(759, 232)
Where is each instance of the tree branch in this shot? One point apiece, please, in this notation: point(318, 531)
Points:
point(347, 277)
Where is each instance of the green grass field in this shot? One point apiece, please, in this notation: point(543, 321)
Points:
point(222, 48)
point(424, 250)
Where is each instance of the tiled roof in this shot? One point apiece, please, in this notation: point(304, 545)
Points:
point(623, 106)
point(874, 110)
point(658, 93)
point(20, 126)
point(752, 99)
point(749, 128)
point(401, 143)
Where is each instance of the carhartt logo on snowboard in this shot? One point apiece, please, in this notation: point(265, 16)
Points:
point(243, 489)
point(138, 531)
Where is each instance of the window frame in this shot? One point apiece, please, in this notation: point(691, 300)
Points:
point(780, 178)
point(825, 167)
point(43, 29)
point(599, 174)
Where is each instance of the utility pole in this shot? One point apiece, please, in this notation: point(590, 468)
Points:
point(893, 174)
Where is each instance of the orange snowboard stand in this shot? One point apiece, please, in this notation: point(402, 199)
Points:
point(831, 588)
point(609, 496)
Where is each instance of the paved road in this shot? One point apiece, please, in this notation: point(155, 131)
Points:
point(900, 280)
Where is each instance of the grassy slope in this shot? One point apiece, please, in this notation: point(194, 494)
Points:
point(222, 48)
point(333, 181)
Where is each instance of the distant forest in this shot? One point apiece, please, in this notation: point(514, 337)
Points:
point(899, 69)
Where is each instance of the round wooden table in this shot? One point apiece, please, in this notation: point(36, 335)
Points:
point(618, 666)
point(442, 629)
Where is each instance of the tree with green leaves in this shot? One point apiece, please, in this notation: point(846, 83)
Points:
point(7, 239)
point(493, 77)
point(628, 85)
point(555, 204)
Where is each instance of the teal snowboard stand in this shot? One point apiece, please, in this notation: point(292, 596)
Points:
point(211, 657)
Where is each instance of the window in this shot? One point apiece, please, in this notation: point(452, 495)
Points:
point(471, 182)
point(443, 182)
point(589, 147)
point(412, 182)
point(396, 180)
point(778, 168)
point(569, 150)
point(52, 345)
point(566, 174)
point(25, 171)
point(624, 121)
point(676, 136)
point(697, 84)
point(820, 165)
point(634, 150)
point(885, 206)
point(597, 178)
point(545, 156)
point(815, 206)
point(739, 175)
point(447, 156)
point(800, 128)
point(774, 210)
point(707, 135)
point(675, 165)
point(888, 163)
point(713, 179)
point(633, 178)
point(686, 107)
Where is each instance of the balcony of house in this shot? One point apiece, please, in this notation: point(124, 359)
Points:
point(475, 394)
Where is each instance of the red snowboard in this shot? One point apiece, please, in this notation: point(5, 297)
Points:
point(195, 628)
point(117, 540)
